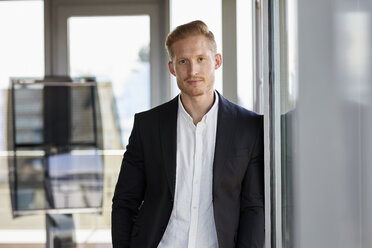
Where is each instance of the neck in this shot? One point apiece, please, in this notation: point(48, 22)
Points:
point(197, 106)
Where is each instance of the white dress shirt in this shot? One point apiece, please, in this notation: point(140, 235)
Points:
point(191, 224)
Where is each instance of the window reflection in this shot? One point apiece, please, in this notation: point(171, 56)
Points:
point(30, 184)
point(57, 160)
point(76, 180)
point(29, 110)
point(288, 99)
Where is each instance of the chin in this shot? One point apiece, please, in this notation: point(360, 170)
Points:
point(196, 92)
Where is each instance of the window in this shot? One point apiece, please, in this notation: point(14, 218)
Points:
point(22, 55)
point(111, 50)
point(245, 55)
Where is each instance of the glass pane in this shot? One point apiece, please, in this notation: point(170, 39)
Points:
point(55, 114)
point(21, 55)
point(30, 192)
point(332, 173)
point(22, 40)
point(29, 115)
point(76, 179)
point(68, 169)
point(245, 53)
point(82, 115)
point(288, 99)
point(112, 50)
point(69, 180)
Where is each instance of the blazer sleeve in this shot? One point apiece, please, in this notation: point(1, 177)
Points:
point(129, 190)
point(251, 232)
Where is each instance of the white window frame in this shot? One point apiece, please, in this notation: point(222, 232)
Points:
point(57, 60)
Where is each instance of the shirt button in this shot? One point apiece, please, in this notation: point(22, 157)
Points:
point(196, 182)
point(194, 207)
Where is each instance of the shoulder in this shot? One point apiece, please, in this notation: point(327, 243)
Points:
point(240, 112)
point(246, 125)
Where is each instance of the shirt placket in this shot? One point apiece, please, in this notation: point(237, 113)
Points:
point(196, 184)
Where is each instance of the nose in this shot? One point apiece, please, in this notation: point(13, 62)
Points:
point(193, 68)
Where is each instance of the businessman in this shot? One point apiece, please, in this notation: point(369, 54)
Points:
point(192, 174)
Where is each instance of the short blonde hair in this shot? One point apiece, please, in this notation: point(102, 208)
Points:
point(189, 29)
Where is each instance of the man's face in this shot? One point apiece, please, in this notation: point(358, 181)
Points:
point(194, 64)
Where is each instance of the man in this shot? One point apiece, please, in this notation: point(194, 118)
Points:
point(192, 174)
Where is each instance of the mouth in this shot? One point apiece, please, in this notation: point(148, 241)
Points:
point(194, 81)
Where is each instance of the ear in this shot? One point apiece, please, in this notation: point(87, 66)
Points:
point(171, 68)
point(218, 61)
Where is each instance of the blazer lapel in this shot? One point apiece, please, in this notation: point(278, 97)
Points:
point(226, 122)
point(168, 136)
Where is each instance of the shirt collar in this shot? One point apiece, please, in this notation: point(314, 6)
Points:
point(209, 115)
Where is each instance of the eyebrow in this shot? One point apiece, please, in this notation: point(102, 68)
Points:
point(198, 55)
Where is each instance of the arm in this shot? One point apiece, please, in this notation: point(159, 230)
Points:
point(129, 191)
point(251, 232)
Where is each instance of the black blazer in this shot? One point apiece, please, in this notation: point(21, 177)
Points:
point(144, 193)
